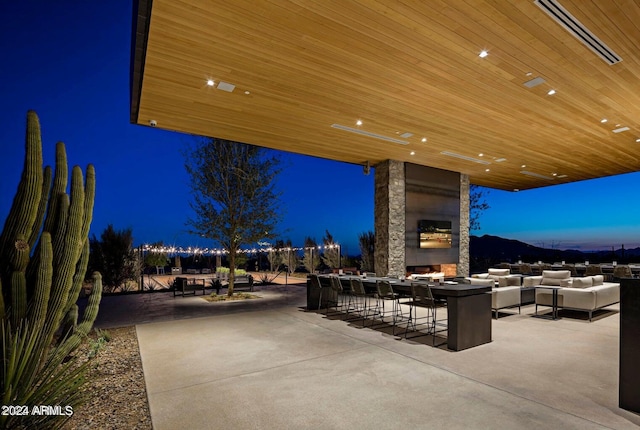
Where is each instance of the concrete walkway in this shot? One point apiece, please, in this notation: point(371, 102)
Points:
point(269, 364)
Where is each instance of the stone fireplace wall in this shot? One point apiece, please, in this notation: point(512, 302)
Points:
point(389, 218)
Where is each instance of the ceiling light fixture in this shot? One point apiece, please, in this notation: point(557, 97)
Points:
point(424, 139)
point(413, 153)
point(621, 129)
point(487, 170)
point(637, 140)
point(480, 155)
point(464, 157)
point(483, 53)
point(603, 120)
point(359, 122)
point(210, 82)
point(551, 92)
point(536, 175)
point(523, 166)
point(369, 134)
point(247, 92)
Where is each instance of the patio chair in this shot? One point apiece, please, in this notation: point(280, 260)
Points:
point(422, 298)
point(593, 269)
point(623, 271)
point(385, 294)
point(359, 298)
point(333, 300)
point(571, 268)
point(525, 269)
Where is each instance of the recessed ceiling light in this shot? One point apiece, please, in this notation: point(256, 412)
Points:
point(528, 74)
point(483, 54)
point(413, 153)
point(210, 82)
point(487, 170)
point(551, 92)
point(359, 122)
point(480, 155)
point(554, 174)
point(424, 139)
point(637, 140)
point(523, 166)
point(247, 92)
point(603, 120)
point(516, 189)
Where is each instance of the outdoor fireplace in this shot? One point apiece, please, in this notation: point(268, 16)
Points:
point(449, 270)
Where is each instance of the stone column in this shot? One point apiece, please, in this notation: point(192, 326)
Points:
point(463, 262)
point(389, 218)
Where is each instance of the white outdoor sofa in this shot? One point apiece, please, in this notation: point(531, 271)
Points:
point(588, 293)
point(501, 297)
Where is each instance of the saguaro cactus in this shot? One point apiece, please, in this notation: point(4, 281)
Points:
point(44, 250)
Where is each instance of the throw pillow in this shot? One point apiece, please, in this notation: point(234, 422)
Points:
point(597, 280)
point(585, 282)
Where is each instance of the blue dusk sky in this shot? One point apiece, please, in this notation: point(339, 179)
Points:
point(69, 61)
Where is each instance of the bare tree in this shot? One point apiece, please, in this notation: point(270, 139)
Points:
point(331, 255)
point(234, 196)
point(311, 257)
point(477, 205)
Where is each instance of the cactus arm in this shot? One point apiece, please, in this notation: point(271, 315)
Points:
point(89, 197)
point(44, 200)
point(21, 218)
point(25, 203)
point(88, 318)
point(42, 288)
point(59, 188)
point(20, 259)
point(79, 276)
point(70, 247)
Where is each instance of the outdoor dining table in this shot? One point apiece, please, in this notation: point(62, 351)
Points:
point(468, 308)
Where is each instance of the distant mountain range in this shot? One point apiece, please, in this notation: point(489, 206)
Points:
point(488, 250)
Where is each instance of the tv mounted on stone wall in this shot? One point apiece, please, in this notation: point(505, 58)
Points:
point(434, 234)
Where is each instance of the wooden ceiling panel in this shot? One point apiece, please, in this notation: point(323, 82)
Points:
point(402, 67)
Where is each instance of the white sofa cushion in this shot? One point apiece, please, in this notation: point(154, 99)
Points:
point(497, 273)
point(597, 280)
point(553, 277)
point(584, 282)
point(483, 282)
point(505, 297)
point(607, 294)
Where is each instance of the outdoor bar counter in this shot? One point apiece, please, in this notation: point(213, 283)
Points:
point(468, 307)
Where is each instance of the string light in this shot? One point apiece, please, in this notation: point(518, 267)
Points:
point(216, 251)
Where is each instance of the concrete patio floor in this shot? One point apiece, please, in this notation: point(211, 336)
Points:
point(269, 364)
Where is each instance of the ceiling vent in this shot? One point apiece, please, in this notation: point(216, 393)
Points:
point(534, 82)
point(579, 31)
point(369, 134)
point(536, 175)
point(464, 157)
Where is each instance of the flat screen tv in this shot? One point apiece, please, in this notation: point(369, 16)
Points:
point(434, 234)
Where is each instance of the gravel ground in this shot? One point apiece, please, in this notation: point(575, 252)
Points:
point(117, 392)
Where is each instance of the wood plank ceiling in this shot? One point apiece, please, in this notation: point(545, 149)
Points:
point(301, 66)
